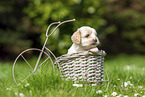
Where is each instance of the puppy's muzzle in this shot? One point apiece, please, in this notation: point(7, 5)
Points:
point(94, 40)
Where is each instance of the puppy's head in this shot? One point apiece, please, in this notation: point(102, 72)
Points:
point(86, 37)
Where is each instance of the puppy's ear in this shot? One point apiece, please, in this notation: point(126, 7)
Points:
point(76, 37)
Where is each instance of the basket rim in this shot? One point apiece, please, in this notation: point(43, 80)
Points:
point(79, 54)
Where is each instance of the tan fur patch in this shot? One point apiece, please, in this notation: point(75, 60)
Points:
point(76, 37)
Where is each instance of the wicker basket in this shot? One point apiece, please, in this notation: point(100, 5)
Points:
point(83, 66)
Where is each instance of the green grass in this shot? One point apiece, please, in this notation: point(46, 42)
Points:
point(46, 82)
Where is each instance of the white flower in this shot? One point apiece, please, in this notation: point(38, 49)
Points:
point(21, 95)
point(8, 88)
point(139, 86)
point(128, 82)
point(125, 96)
point(125, 84)
point(99, 91)
point(94, 84)
point(114, 94)
point(131, 84)
point(27, 85)
point(16, 93)
point(143, 96)
point(136, 94)
point(105, 95)
point(119, 95)
point(77, 85)
point(130, 77)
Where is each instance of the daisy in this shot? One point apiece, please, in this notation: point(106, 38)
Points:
point(8, 88)
point(139, 86)
point(125, 96)
point(94, 84)
point(27, 85)
point(16, 93)
point(131, 84)
point(125, 84)
point(114, 94)
point(21, 95)
point(119, 95)
point(99, 91)
point(105, 95)
point(136, 94)
point(128, 82)
point(79, 85)
point(75, 85)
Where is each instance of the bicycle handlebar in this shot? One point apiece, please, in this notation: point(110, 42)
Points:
point(49, 27)
point(59, 23)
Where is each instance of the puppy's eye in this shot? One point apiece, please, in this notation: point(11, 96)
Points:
point(87, 35)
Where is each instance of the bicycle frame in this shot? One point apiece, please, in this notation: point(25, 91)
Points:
point(41, 51)
point(59, 23)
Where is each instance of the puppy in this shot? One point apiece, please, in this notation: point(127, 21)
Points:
point(84, 39)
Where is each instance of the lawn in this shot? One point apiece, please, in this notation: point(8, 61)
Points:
point(126, 74)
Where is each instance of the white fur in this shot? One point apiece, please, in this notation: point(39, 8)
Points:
point(84, 39)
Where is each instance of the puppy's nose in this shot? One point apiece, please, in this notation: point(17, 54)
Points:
point(95, 40)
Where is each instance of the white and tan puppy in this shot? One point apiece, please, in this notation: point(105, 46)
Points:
point(84, 39)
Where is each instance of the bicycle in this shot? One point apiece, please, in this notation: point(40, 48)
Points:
point(42, 51)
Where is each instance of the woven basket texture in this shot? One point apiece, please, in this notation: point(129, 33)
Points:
point(83, 66)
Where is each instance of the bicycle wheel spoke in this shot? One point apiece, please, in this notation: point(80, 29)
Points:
point(26, 62)
point(28, 76)
point(31, 68)
point(43, 62)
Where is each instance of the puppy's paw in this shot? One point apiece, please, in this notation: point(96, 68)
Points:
point(101, 52)
point(94, 50)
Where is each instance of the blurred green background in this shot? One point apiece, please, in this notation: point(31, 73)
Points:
point(120, 25)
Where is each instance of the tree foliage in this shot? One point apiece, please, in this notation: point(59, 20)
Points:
point(120, 24)
point(85, 13)
point(16, 29)
point(125, 27)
